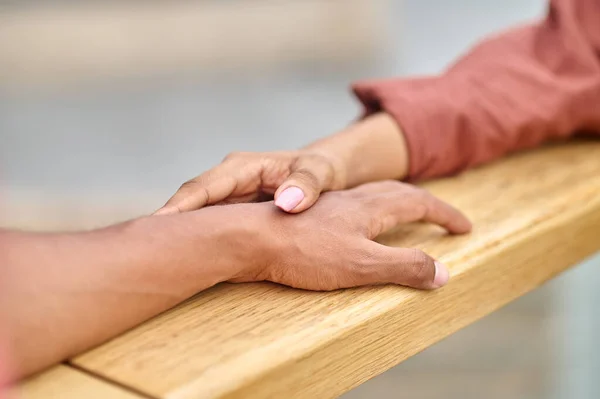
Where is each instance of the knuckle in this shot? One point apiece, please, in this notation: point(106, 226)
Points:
point(392, 185)
point(195, 187)
point(235, 155)
point(190, 184)
point(326, 167)
point(368, 266)
point(363, 262)
point(307, 177)
point(357, 193)
point(383, 185)
point(357, 216)
point(421, 194)
point(419, 265)
point(417, 197)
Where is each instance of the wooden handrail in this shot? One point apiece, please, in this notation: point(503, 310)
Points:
point(65, 382)
point(535, 214)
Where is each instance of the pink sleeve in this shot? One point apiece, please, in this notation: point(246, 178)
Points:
point(514, 91)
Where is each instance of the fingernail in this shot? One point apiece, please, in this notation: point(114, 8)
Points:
point(289, 198)
point(441, 275)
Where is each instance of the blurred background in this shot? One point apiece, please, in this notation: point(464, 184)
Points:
point(106, 107)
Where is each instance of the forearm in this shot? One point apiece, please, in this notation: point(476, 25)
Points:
point(511, 92)
point(370, 150)
point(69, 292)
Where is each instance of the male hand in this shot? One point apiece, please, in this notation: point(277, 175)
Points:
point(330, 245)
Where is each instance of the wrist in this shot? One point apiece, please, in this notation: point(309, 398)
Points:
point(241, 239)
point(370, 150)
point(336, 161)
point(195, 250)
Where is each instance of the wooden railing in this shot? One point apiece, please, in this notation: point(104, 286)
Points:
point(535, 214)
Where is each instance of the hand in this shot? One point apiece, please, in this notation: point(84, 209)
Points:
point(330, 245)
point(373, 149)
point(295, 178)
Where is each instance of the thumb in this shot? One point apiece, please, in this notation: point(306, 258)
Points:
point(409, 267)
point(310, 176)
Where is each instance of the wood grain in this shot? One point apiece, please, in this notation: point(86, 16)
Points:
point(535, 215)
point(64, 382)
point(60, 44)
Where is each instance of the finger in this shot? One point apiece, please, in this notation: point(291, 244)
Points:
point(308, 178)
point(209, 188)
point(395, 203)
point(403, 266)
point(445, 215)
point(241, 199)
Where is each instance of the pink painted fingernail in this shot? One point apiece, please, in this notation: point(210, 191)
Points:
point(441, 275)
point(289, 198)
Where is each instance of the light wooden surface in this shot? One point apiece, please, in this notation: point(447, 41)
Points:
point(64, 382)
point(60, 44)
point(535, 215)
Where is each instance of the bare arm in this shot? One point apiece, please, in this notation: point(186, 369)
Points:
point(513, 91)
point(69, 292)
point(372, 149)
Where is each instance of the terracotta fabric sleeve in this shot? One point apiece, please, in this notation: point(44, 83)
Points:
point(514, 91)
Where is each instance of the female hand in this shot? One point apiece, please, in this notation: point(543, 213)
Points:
point(370, 150)
point(294, 178)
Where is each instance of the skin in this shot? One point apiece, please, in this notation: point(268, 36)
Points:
point(70, 292)
point(373, 149)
